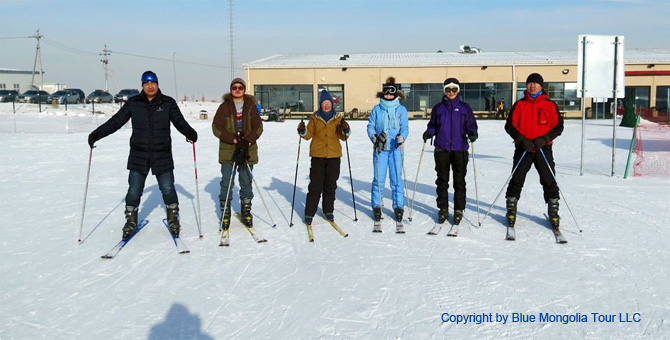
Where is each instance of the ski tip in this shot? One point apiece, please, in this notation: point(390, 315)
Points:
point(106, 257)
point(274, 226)
point(346, 235)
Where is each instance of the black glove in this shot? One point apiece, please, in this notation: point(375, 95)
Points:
point(540, 141)
point(344, 125)
point(92, 138)
point(472, 137)
point(399, 140)
point(240, 157)
point(192, 136)
point(242, 143)
point(381, 142)
point(301, 127)
point(426, 136)
point(528, 145)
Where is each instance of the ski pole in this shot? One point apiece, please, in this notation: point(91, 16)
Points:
point(197, 191)
point(559, 189)
point(230, 189)
point(474, 168)
point(411, 206)
point(83, 208)
point(351, 179)
point(402, 161)
point(261, 194)
point(295, 181)
point(504, 185)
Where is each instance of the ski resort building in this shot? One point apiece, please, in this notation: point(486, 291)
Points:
point(292, 81)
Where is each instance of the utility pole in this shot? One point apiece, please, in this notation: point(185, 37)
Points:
point(105, 63)
point(38, 56)
point(174, 69)
point(232, 76)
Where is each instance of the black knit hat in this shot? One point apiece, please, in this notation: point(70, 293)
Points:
point(535, 78)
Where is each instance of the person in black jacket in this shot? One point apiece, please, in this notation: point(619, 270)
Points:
point(151, 113)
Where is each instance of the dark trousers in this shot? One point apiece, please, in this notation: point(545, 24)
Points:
point(547, 180)
point(323, 175)
point(458, 162)
point(136, 182)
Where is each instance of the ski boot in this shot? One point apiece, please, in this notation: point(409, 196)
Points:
point(511, 211)
point(398, 214)
point(130, 227)
point(173, 219)
point(458, 215)
point(247, 219)
point(308, 220)
point(442, 215)
point(377, 227)
point(225, 215)
point(330, 217)
point(552, 212)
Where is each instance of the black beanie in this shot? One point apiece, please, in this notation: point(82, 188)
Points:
point(535, 78)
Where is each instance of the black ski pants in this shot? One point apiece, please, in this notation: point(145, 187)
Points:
point(549, 185)
point(458, 162)
point(323, 175)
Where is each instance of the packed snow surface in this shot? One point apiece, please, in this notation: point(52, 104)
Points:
point(365, 286)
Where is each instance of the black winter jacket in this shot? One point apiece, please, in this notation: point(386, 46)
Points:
point(150, 142)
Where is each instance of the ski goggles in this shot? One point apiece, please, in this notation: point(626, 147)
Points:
point(389, 89)
point(149, 77)
point(451, 89)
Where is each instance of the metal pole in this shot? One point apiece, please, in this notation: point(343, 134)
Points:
point(583, 75)
point(295, 181)
point(474, 169)
point(260, 193)
point(351, 179)
point(411, 206)
point(174, 68)
point(616, 50)
point(83, 207)
point(504, 185)
point(559, 188)
point(230, 189)
point(197, 191)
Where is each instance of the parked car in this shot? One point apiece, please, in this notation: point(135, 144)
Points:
point(32, 96)
point(8, 95)
point(125, 94)
point(82, 95)
point(65, 95)
point(99, 96)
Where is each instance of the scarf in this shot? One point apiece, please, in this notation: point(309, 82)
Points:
point(388, 118)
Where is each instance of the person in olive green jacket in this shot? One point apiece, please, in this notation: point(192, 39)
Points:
point(237, 125)
point(326, 128)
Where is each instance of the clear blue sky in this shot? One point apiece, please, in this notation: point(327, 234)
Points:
point(198, 32)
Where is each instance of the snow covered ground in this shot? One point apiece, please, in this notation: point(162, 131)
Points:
point(366, 286)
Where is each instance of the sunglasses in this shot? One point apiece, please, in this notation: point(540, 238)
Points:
point(451, 89)
point(389, 90)
point(237, 88)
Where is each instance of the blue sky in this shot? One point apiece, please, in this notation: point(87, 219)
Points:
point(197, 31)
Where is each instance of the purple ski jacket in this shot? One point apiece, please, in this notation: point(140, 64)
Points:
point(450, 122)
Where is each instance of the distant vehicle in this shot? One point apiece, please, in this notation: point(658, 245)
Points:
point(99, 96)
point(72, 97)
point(82, 95)
point(270, 115)
point(32, 96)
point(8, 95)
point(125, 94)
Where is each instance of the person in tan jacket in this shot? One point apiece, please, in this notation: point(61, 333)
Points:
point(237, 125)
point(326, 128)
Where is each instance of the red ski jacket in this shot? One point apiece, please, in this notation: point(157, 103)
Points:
point(532, 118)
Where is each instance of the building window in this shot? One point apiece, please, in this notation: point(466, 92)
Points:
point(662, 99)
point(641, 96)
point(3, 86)
point(16, 87)
point(337, 91)
point(564, 94)
point(485, 96)
point(421, 96)
point(298, 98)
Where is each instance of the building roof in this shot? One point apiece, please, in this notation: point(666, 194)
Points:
point(12, 71)
point(631, 56)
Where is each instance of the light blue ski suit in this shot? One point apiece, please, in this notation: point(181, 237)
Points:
point(388, 116)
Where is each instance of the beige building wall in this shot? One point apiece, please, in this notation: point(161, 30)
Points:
point(362, 84)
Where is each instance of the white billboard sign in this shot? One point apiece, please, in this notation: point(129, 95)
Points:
point(600, 59)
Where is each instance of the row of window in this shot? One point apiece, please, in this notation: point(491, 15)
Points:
point(3, 86)
point(480, 96)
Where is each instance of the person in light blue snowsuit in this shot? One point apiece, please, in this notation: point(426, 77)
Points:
point(388, 129)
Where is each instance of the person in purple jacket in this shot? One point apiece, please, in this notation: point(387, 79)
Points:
point(452, 123)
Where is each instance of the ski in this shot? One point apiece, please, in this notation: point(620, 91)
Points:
point(436, 229)
point(255, 234)
point(310, 232)
point(557, 232)
point(117, 248)
point(178, 242)
point(399, 228)
point(225, 238)
point(453, 231)
point(377, 227)
point(335, 226)
point(511, 234)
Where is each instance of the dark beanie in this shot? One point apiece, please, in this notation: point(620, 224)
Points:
point(239, 81)
point(149, 76)
point(451, 80)
point(535, 78)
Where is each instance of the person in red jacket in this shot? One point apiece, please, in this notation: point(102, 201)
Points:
point(534, 122)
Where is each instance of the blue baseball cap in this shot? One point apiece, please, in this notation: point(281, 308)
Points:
point(149, 76)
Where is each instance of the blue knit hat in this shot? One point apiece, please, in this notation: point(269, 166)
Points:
point(325, 96)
